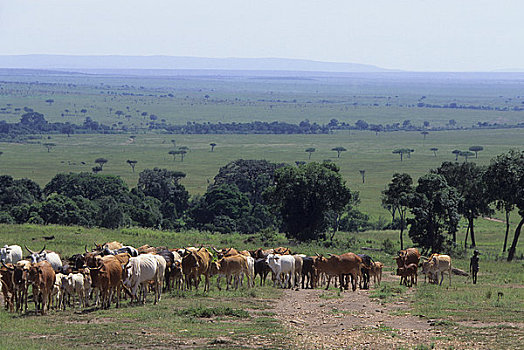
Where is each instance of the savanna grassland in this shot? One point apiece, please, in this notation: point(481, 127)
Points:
point(487, 315)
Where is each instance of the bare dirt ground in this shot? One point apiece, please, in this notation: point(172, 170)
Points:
point(317, 319)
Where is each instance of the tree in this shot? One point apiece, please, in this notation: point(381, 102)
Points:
point(363, 174)
point(476, 149)
point(397, 197)
point(50, 101)
point(434, 150)
point(504, 178)
point(164, 185)
point(305, 196)
point(310, 150)
point(173, 153)
point(49, 145)
point(466, 155)
point(173, 141)
point(223, 208)
point(403, 151)
point(434, 206)
point(101, 162)
point(424, 134)
point(361, 125)
point(96, 169)
point(456, 152)
point(339, 150)
point(132, 163)
point(467, 179)
point(213, 145)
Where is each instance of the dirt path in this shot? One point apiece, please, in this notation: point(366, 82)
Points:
point(321, 319)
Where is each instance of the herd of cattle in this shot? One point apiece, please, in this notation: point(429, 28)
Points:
point(110, 271)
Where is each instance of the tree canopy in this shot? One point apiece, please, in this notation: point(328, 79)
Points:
point(305, 195)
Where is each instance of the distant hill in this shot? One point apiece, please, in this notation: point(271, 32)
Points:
point(88, 63)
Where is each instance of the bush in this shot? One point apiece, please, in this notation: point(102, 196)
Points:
point(388, 246)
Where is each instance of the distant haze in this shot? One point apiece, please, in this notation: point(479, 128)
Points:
point(408, 35)
point(80, 63)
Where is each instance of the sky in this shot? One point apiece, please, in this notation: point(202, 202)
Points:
point(418, 35)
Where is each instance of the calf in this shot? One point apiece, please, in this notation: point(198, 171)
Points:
point(282, 266)
point(376, 272)
point(367, 261)
point(408, 271)
point(72, 285)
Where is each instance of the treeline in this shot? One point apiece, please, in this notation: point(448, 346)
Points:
point(32, 123)
point(237, 201)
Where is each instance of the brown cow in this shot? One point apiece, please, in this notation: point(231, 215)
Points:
point(406, 257)
point(194, 264)
point(408, 271)
point(340, 265)
point(230, 266)
point(6, 278)
point(42, 277)
point(107, 277)
point(19, 274)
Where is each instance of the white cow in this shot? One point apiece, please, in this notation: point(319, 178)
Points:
point(142, 269)
point(52, 257)
point(72, 285)
point(282, 265)
point(11, 254)
point(438, 263)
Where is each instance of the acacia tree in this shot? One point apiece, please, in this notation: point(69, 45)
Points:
point(173, 153)
point(49, 146)
point(403, 151)
point(434, 150)
point(434, 206)
point(101, 162)
point(466, 155)
point(213, 145)
point(467, 179)
point(306, 197)
point(339, 150)
point(132, 163)
point(505, 181)
point(396, 199)
point(424, 134)
point(476, 149)
point(310, 150)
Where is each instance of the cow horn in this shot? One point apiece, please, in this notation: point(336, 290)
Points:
point(42, 250)
point(7, 267)
point(86, 248)
point(216, 251)
point(29, 250)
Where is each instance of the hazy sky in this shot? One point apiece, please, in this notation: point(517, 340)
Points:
point(437, 35)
